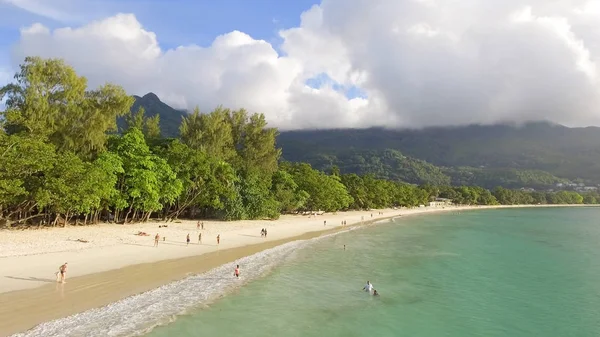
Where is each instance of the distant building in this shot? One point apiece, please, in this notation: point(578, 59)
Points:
point(440, 202)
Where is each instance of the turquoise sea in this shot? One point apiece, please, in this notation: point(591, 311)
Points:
point(509, 273)
point(495, 273)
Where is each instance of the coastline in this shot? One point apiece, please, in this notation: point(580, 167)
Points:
point(111, 271)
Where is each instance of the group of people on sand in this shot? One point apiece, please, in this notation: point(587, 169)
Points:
point(263, 233)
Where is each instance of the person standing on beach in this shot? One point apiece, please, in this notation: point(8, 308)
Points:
point(265, 233)
point(188, 239)
point(218, 238)
point(198, 225)
point(236, 272)
point(156, 238)
point(325, 223)
point(62, 270)
point(200, 238)
point(202, 225)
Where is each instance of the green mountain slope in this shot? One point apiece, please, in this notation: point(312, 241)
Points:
point(537, 155)
point(564, 152)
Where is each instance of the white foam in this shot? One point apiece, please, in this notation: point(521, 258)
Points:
point(139, 314)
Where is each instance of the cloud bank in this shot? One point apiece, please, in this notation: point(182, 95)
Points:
point(415, 63)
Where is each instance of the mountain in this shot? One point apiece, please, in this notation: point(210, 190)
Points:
point(170, 118)
point(537, 154)
point(572, 153)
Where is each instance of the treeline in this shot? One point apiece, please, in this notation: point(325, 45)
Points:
point(62, 160)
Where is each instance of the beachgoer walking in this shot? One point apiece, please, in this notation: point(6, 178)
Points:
point(325, 223)
point(265, 233)
point(344, 247)
point(262, 232)
point(236, 272)
point(187, 239)
point(198, 225)
point(62, 273)
point(202, 225)
point(200, 238)
point(156, 238)
point(218, 238)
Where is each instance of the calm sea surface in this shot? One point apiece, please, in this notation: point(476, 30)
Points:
point(509, 273)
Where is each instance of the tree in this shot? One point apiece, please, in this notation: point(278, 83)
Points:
point(325, 192)
point(150, 126)
point(50, 101)
point(210, 133)
point(286, 192)
point(147, 179)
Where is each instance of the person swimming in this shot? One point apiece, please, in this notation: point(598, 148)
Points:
point(368, 287)
point(375, 293)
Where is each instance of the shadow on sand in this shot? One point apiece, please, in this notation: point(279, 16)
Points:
point(35, 279)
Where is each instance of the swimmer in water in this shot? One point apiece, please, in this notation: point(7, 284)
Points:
point(375, 293)
point(368, 287)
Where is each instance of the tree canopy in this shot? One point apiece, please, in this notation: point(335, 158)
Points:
point(63, 160)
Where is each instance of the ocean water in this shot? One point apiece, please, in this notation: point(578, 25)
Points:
point(507, 272)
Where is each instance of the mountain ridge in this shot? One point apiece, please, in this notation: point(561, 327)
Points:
point(557, 152)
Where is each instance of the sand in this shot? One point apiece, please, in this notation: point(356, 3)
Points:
point(116, 263)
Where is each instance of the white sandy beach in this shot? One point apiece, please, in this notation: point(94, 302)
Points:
point(29, 258)
point(116, 263)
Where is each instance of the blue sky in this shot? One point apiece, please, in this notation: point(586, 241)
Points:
point(176, 22)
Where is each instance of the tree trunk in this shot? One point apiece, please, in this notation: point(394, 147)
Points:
point(127, 215)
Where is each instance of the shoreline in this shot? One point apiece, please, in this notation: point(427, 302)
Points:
point(37, 299)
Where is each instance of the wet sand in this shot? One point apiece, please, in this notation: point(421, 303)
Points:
point(24, 309)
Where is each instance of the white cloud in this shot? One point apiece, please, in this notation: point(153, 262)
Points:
point(46, 8)
point(420, 63)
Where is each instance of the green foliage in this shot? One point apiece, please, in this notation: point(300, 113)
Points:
point(49, 100)
point(325, 192)
point(62, 162)
point(286, 192)
point(508, 178)
point(387, 164)
point(170, 118)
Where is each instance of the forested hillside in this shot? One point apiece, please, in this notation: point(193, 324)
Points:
point(536, 155)
point(571, 153)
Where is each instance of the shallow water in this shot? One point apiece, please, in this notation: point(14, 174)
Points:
point(518, 272)
point(508, 272)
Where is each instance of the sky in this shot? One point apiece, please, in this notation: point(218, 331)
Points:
point(329, 63)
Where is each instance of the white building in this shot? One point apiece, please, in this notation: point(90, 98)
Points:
point(440, 202)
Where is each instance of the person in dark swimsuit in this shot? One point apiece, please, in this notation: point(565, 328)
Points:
point(63, 272)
